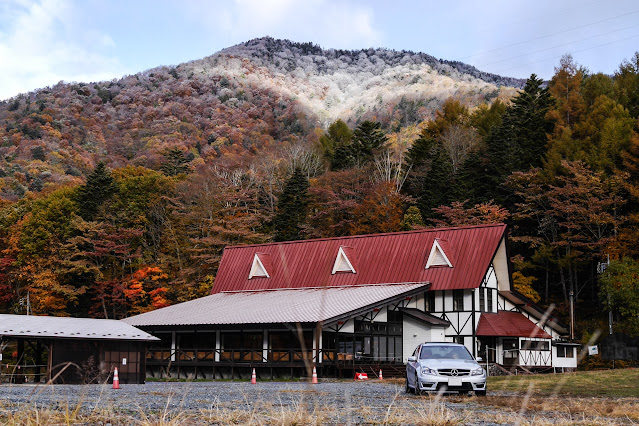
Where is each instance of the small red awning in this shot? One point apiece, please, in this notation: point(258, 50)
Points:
point(512, 324)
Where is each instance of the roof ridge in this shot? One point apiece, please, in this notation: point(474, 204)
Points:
point(319, 288)
point(416, 231)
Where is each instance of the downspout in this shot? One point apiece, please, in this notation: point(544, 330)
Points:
point(474, 325)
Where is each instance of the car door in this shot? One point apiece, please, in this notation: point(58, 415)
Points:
point(411, 367)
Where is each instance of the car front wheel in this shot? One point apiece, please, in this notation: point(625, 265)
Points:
point(418, 390)
point(408, 389)
point(480, 393)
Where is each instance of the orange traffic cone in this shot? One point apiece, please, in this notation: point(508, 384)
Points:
point(380, 375)
point(314, 376)
point(116, 379)
point(253, 377)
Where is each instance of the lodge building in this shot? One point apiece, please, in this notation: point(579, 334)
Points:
point(355, 303)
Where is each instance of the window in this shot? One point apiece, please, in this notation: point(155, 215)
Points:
point(430, 301)
point(489, 301)
point(458, 339)
point(259, 268)
point(342, 262)
point(458, 300)
point(565, 352)
point(535, 345)
point(437, 256)
point(482, 299)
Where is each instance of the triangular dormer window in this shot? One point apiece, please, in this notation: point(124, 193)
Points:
point(261, 265)
point(437, 255)
point(342, 262)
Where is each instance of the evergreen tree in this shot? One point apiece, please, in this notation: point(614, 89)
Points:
point(518, 144)
point(412, 219)
point(336, 143)
point(431, 180)
point(291, 208)
point(368, 139)
point(176, 162)
point(99, 188)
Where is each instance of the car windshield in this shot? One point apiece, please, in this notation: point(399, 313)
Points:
point(444, 352)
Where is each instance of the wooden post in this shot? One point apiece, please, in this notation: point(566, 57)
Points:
point(38, 360)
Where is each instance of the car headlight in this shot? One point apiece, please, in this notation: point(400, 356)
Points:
point(477, 372)
point(426, 370)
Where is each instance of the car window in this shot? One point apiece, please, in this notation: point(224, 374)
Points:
point(445, 352)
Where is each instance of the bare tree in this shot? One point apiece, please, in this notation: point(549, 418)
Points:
point(459, 141)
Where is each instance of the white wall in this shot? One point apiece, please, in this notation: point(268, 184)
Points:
point(500, 263)
point(414, 333)
point(564, 362)
point(382, 315)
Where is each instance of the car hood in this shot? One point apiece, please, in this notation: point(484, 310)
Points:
point(437, 364)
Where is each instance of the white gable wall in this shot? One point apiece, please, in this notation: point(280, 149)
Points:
point(500, 263)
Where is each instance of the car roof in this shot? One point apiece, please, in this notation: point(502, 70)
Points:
point(441, 344)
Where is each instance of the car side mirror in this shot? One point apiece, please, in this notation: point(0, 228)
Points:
point(479, 359)
point(412, 359)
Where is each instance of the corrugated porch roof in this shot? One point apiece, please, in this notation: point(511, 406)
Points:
point(307, 305)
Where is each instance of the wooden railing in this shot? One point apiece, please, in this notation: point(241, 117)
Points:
point(231, 356)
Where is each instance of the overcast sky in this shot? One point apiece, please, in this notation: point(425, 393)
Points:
point(45, 41)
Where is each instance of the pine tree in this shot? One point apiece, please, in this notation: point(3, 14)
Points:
point(431, 180)
point(176, 162)
point(291, 208)
point(336, 143)
point(99, 188)
point(518, 144)
point(368, 139)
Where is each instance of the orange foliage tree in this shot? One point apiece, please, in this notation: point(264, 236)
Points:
point(147, 290)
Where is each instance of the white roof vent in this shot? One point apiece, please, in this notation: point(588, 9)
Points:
point(261, 265)
point(342, 262)
point(437, 255)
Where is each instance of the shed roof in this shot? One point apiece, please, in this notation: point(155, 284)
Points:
point(381, 258)
point(69, 328)
point(425, 317)
point(505, 323)
point(278, 306)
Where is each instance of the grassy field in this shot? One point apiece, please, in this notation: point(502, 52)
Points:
point(608, 383)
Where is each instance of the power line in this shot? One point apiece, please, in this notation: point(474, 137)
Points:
point(549, 35)
point(554, 47)
point(559, 56)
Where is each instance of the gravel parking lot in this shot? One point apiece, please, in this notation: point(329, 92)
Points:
point(333, 402)
point(338, 402)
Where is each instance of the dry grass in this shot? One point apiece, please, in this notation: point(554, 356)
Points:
point(607, 383)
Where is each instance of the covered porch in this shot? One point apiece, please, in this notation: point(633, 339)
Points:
point(281, 333)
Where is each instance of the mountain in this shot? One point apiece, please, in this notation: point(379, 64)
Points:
point(227, 107)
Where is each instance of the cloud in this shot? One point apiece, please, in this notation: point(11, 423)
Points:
point(331, 24)
point(41, 43)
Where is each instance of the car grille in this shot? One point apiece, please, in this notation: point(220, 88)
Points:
point(453, 372)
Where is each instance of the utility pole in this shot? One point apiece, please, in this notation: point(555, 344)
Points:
point(601, 268)
point(572, 315)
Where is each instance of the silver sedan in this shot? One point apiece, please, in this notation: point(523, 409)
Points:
point(444, 367)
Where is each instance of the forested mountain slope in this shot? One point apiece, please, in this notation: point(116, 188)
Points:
point(232, 104)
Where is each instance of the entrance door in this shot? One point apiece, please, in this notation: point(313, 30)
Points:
point(487, 349)
point(511, 351)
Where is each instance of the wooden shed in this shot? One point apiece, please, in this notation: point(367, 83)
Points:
point(70, 350)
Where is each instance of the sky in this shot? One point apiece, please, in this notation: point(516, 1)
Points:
point(43, 42)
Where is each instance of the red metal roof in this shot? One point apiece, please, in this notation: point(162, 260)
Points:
point(381, 259)
point(506, 323)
